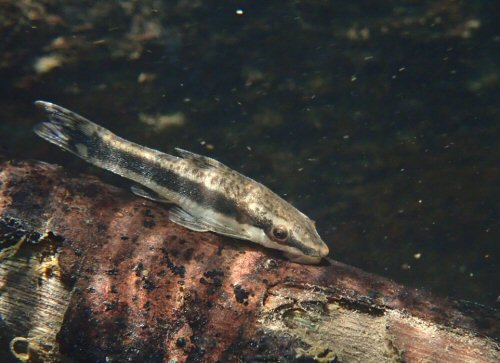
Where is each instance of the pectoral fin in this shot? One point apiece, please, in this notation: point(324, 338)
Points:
point(203, 224)
point(220, 228)
point(183, 218)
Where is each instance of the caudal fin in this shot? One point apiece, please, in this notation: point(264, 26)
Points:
point(99, 146)
point(67, 129)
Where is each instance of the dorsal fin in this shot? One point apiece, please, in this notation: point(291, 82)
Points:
point(200, 160)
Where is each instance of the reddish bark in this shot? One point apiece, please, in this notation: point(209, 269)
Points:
point(148, 290)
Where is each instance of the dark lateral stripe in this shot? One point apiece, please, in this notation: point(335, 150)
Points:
point(266, 225)
point(120, 161)
point(117, 160)
point(304, 249)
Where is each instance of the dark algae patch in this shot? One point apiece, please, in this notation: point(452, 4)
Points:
point(148, 223)
point(241, 294)
point(181, 342)
point(179, 270)
point(215, 277)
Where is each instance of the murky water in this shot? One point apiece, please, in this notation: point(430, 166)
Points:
point(381, 122)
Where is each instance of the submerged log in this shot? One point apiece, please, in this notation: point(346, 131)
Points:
point(91, 273)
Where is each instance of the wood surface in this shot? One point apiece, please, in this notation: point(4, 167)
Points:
point(91, 273)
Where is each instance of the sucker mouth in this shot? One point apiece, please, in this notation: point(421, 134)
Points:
point(325, 251)
point(305, 259)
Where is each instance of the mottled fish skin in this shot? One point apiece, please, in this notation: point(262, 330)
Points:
point(210, 196)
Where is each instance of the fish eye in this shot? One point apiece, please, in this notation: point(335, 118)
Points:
point(279, 234)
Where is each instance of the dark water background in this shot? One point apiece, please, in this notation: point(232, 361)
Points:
point(380, 120)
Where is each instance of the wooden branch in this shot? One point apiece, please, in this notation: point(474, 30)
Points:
point(92, 273)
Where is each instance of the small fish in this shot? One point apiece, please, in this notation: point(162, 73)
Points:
point(208, 195)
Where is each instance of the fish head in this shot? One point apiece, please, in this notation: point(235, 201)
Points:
point(295, 235)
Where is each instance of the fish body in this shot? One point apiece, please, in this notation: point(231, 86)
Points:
point(208, 195)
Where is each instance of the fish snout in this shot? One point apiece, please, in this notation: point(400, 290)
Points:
point(324, 250)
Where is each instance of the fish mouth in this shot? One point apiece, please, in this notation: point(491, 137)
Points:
point(309, 257)
point(324, 250)
point(304, 259)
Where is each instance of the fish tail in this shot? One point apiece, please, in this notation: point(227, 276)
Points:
point(99, 146)
point(68, 130)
